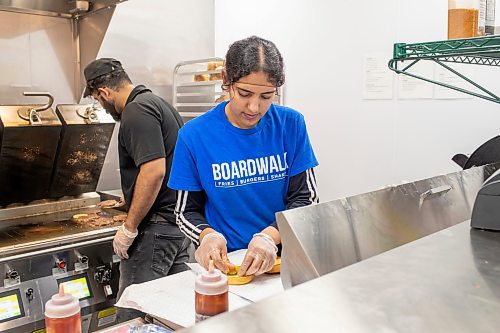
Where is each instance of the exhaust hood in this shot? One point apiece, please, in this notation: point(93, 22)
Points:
point(58, 8)
point(88, 21)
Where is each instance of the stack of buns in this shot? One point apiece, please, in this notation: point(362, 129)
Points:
point(211, 66)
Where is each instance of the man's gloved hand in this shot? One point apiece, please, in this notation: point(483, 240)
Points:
point(120, 202)
point(122, 241)
point(213, 247)
point(260, 257)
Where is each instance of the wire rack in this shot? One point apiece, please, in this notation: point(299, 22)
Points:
point(477, 51)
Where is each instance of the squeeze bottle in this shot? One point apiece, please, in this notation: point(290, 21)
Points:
point(62, 313)
point(211, 293)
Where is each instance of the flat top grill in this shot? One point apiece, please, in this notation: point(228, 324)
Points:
point(36, 232)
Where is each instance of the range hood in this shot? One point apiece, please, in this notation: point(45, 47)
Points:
point(88, 21)
point(59, 8)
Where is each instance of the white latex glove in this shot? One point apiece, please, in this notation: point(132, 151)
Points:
point(213, 247)
point(260, 257)
point(122, 241)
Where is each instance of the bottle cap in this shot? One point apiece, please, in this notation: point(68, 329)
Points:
point(62, 305)
point(211, 282)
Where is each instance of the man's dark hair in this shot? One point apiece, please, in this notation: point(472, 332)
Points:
point(114, 80)
point(254, 54)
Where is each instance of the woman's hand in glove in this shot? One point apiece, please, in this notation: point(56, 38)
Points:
point(213, 247)
point(260, 257)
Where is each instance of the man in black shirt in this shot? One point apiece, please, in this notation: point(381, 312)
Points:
point(149, 242)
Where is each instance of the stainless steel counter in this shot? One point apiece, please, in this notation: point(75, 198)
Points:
point(445, 282)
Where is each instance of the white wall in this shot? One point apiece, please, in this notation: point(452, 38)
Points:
point(362, 145)
point(150, 37)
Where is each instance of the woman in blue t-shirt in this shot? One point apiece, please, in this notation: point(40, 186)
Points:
point(238, 164)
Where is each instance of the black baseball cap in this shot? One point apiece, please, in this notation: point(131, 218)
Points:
point(97, 68)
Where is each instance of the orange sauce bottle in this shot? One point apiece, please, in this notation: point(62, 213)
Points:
point(211, 293)
point(62, 313)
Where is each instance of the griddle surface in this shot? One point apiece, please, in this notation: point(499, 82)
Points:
point(40, 228)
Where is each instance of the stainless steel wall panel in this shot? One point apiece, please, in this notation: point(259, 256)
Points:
point(37, 55)
point(90, 34)
point(397, 215)
point(327, 241)
point(52, 7)
point(322, 238)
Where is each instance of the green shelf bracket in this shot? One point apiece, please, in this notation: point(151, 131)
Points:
point(477, 51)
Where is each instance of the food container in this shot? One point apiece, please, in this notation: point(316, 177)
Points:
point(466, 18)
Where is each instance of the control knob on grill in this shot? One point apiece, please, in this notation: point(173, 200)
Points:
point(103, 275)
point(83, 259)
point(61, 264)
point(12, 274)
point(12, 277)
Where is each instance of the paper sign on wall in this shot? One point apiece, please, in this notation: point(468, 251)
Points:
point(413, 88)
point(377, 78)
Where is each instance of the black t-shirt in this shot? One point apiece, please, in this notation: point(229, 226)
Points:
point(148, 130)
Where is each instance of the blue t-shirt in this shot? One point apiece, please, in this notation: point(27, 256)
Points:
point(244, 172)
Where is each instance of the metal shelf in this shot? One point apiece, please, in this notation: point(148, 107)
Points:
point(191, 114)
point(193, 97)
point(199, 72)
point(477, 51)
point(200, 83)
point(210, 105)
point(196, 94)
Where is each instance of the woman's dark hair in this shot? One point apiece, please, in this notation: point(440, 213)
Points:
point(254, 54)
point(114, 80)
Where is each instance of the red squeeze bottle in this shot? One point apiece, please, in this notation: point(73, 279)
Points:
point(62, 313)
point(211, 293)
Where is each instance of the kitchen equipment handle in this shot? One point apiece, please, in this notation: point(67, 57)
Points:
point(41, 94)
point(89, 115)
point(434, 192)
point(31, 115)
point(56, 249)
